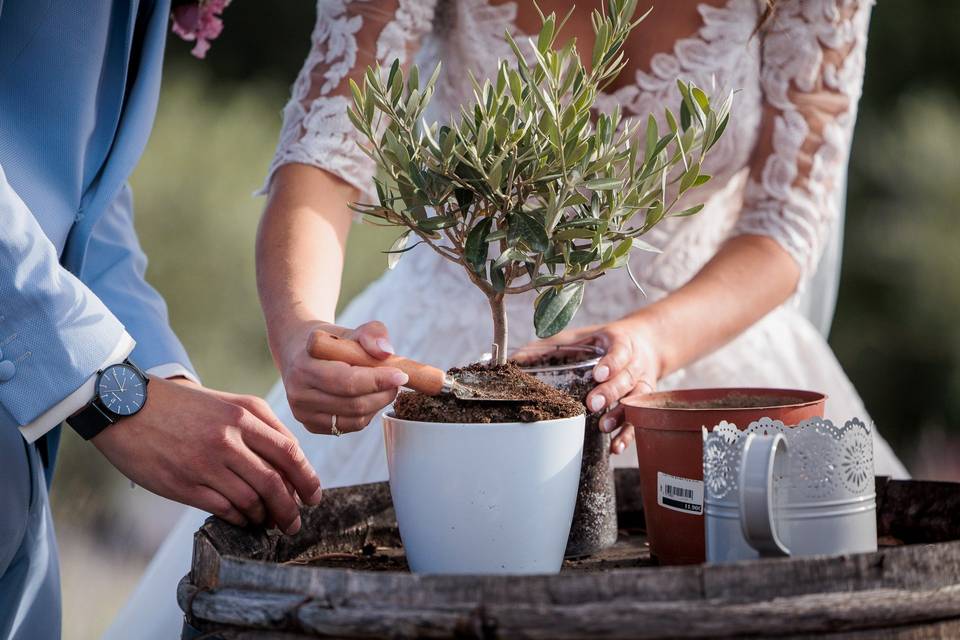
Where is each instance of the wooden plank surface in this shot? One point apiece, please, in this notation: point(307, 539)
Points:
point(256, 579)
point(619, 618)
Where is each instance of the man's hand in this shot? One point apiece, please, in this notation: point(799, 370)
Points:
point(223, 453)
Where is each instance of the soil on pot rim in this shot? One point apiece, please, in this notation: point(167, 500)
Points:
point(550, 359)
point(732, 401)
point(540, 401)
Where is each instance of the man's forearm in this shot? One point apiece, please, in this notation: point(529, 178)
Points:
point(300, 251)
point(749, 277)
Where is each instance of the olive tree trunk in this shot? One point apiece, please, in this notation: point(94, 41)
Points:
point(499, 312)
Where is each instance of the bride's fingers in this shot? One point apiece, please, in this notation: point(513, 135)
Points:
point(323, 423)
point(622, 440)
point(375, 339)
point(613, 361)
point(342, 379)
point(611, 419)
point(630, 379)
point(318, 401)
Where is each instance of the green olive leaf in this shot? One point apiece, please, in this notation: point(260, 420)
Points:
point(497, 278)
point(546, 34)
point(689, 176)
point(398, 248)
point(525, 228)
point(464, 198)
point(436, 223)
point(604, 184)
point(650, 141)
point(556, 308)
point(687, 212)
point(475, 249)
point(509, 255)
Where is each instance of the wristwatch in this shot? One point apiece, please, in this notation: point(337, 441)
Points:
point(120, 392)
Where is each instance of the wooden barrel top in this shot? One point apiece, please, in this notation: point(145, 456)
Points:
point(344, 575)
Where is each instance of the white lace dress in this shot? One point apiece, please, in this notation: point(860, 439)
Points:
point(778, 171)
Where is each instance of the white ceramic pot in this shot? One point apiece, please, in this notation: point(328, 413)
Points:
point(484, 498)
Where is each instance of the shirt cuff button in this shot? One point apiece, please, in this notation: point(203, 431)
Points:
point(7, 369)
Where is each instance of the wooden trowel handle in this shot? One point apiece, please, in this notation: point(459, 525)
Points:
point(326, 346)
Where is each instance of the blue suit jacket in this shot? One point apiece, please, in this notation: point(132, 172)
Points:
point(79, 82)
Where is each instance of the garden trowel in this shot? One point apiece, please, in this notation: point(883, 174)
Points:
point(468, 385)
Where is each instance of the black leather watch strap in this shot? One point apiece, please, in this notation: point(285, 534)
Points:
point(90, 421)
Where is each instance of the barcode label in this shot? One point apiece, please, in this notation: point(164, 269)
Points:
point(680, 494)
point(671, 490)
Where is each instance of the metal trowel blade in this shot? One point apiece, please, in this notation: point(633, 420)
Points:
point(477, 387)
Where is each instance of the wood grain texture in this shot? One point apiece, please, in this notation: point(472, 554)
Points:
point(814, 613)
point(245, 580)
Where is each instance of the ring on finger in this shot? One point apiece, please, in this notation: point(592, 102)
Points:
point(333, 426)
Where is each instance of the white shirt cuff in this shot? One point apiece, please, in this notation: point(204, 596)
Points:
point(79, 398)
point(172, 370)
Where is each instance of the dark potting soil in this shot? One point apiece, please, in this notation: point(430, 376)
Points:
point(549, 359)
point(539, 401)
point(732, 401)
point(369, 558)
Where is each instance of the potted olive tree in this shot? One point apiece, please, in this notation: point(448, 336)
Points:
point(526, 189)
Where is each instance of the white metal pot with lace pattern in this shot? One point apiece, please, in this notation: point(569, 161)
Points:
point(772, 490)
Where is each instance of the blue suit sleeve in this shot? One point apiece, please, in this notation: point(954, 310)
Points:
point(54, 331)
point(114, 268)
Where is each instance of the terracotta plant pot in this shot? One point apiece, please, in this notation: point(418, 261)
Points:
point(484, 498)
point(570, 369)
point(670, 453)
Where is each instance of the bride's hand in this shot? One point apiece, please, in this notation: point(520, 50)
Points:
point(317, 390)
point(631, 365)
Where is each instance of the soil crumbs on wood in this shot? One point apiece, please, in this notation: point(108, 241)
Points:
point(630, 552)
point(369, 558)
point(540, 401)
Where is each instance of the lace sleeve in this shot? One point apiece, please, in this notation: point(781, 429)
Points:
point(811, 78)
point(349, 36)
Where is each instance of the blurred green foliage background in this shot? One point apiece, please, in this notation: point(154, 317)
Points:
point(895, 329)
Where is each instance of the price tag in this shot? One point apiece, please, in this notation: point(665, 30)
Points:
point(680, 494)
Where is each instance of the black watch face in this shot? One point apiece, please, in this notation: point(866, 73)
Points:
point(121, 389)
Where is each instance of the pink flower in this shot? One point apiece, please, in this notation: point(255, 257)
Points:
point(200, 22)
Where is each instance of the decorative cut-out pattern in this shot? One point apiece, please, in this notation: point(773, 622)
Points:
point(721, 460)
point(856, 452)
point(825, 461)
